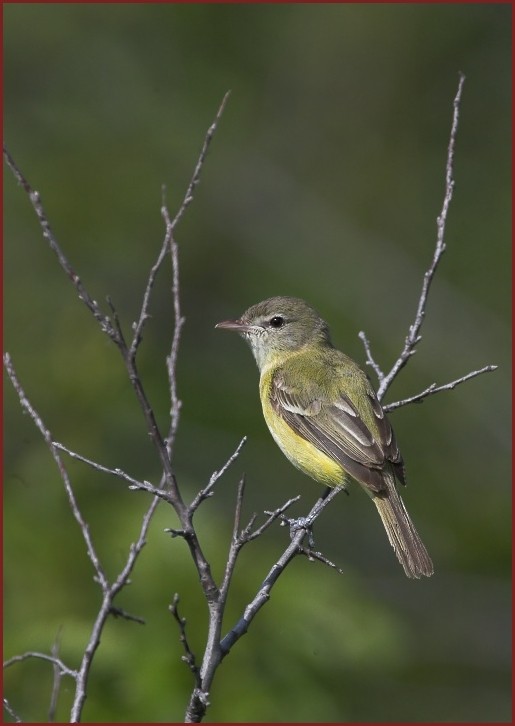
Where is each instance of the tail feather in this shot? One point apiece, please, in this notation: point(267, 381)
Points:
point(401, 532)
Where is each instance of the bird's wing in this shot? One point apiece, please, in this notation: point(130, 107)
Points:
point(335, 426)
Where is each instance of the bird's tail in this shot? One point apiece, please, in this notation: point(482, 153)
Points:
point(401, 531)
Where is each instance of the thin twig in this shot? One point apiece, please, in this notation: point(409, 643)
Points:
point(171, 360)
point(370, 359)
point(119, 613)
point(433, 388)
point(272, 516)
point(42, 656)
point(263, 594)
point(189, 656)
point(242, 537)
point(105, 610)
point(48, 234)
point(56, 685)
point(100, 467)
point(164, 447)
point(314, 555)
point(414, 337)
point(109, 591)
point(188, 198)
point(135, 549)
point(207, 491)
point(235, 545)
point(12, 713)
point(134, 484)
point(27, 406)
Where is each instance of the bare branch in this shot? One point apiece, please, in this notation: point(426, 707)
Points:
point(135, 549)
point(42, 656)
point(138, 326)
point(414, 336)
point(105, 610)
point(263, 594)
point(99, 467)
point(27, 406)
point(170, 226)
point(119, 613)
point(236, 543)
point(56, 686)
point(135, 484)
point(189, 657)
point(164, 448)
point(188, 197)
point(433, 388)
point(238, 510)
point(109, 591)
point(207, 491)
point(370, 360)
point(171, 360)
point(272, 516)
point(12, 713)
point(313, 555)
point(242, 537)
point(48, 234)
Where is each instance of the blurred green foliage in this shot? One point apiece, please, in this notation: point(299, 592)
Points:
point(324, 181)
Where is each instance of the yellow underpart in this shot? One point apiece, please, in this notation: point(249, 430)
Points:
point(302, 453)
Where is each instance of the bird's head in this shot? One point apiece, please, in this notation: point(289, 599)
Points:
point(277, 326)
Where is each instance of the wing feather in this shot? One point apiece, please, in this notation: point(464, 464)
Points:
point(336, 427)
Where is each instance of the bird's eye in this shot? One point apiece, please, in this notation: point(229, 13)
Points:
point(276, 322)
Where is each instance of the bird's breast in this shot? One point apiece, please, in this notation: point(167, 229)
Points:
point(301, 452)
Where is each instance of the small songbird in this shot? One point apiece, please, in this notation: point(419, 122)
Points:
point(324, 414)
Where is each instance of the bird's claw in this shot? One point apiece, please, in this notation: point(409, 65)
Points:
point(304, 523)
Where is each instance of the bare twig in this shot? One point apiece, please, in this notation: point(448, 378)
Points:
point(433, 388)
point(313, 555)
point(263, 594)
point(189, 656)
point(105, 610)
point(171, 360)
point(56, 686)
point(12, 713)
point(207, 491)
point(134, 484)
point(245, 535)
point(109, 591)
point(119, 613)
point(48, 234)
point(100, 467)
point(272, 516)
point(27, 406)
point(170, 226)
point(188, 197)
point(42, 656)
point(414, 337)
point(164, 448)
point(369, 359)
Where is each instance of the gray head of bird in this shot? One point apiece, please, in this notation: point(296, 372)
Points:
point(277, 326)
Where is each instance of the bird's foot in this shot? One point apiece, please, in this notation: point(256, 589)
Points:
point(305, 523)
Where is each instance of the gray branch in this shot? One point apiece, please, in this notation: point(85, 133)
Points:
point(414, 336)
point(168, 489)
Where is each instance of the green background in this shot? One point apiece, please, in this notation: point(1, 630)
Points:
point(324, 180)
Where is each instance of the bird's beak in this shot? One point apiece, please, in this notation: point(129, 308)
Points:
point(238, 325)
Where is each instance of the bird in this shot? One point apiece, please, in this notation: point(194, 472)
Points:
point(324, 414)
